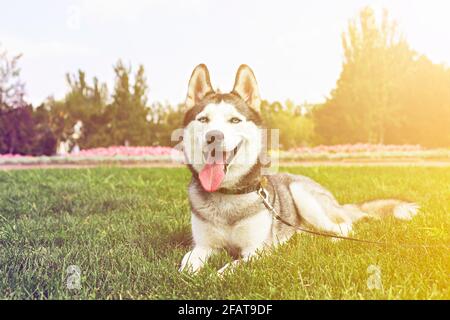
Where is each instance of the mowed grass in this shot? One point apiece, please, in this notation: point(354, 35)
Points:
point(128, 229)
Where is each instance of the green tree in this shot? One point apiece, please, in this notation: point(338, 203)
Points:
point(295, 129)
point(23, 129)
point(95, 118)
point(386, 93)
point(84, 104)
point(129, 111)
point(164, 119)
point(425, 101)
point(377, 60)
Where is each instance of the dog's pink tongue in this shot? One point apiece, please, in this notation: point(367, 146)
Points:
point(212, 176)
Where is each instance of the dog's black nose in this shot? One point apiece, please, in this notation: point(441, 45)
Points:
point(214, 136)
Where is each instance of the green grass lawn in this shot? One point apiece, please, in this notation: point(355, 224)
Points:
point(127, 230)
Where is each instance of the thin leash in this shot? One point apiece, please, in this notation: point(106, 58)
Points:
point(264, 195)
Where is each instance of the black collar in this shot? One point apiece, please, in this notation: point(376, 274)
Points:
point(262, 182)
point(243, 190)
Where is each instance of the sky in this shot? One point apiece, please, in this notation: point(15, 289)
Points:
point(293, 47)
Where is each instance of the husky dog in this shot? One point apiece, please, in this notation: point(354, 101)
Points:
point(224, 147)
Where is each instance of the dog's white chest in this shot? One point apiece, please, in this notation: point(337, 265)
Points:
point(246, 234)
point(252, 231)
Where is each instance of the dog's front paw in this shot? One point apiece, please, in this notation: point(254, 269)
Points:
point(185, 267)
point(187, 263)
point(228, 268)
point(194, 260)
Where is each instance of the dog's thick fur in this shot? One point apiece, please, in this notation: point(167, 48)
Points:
point(238, 221)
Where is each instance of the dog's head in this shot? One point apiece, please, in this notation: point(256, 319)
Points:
point(222, 136)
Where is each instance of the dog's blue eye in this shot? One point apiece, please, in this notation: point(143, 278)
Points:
point(235, 120)
point(203, 119)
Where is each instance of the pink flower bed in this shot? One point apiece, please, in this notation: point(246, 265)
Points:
point(358, 147)
point(124, 151)
point(303, 152)
point(109, 152)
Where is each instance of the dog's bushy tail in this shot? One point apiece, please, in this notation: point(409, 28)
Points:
point(389, 207)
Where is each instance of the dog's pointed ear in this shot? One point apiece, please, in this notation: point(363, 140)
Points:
point(199, 85)
point(246, 87)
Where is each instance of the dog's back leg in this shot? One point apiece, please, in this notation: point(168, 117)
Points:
point(319, 214)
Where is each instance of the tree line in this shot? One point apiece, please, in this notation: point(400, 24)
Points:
point(90, 117)
point(386, 93)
